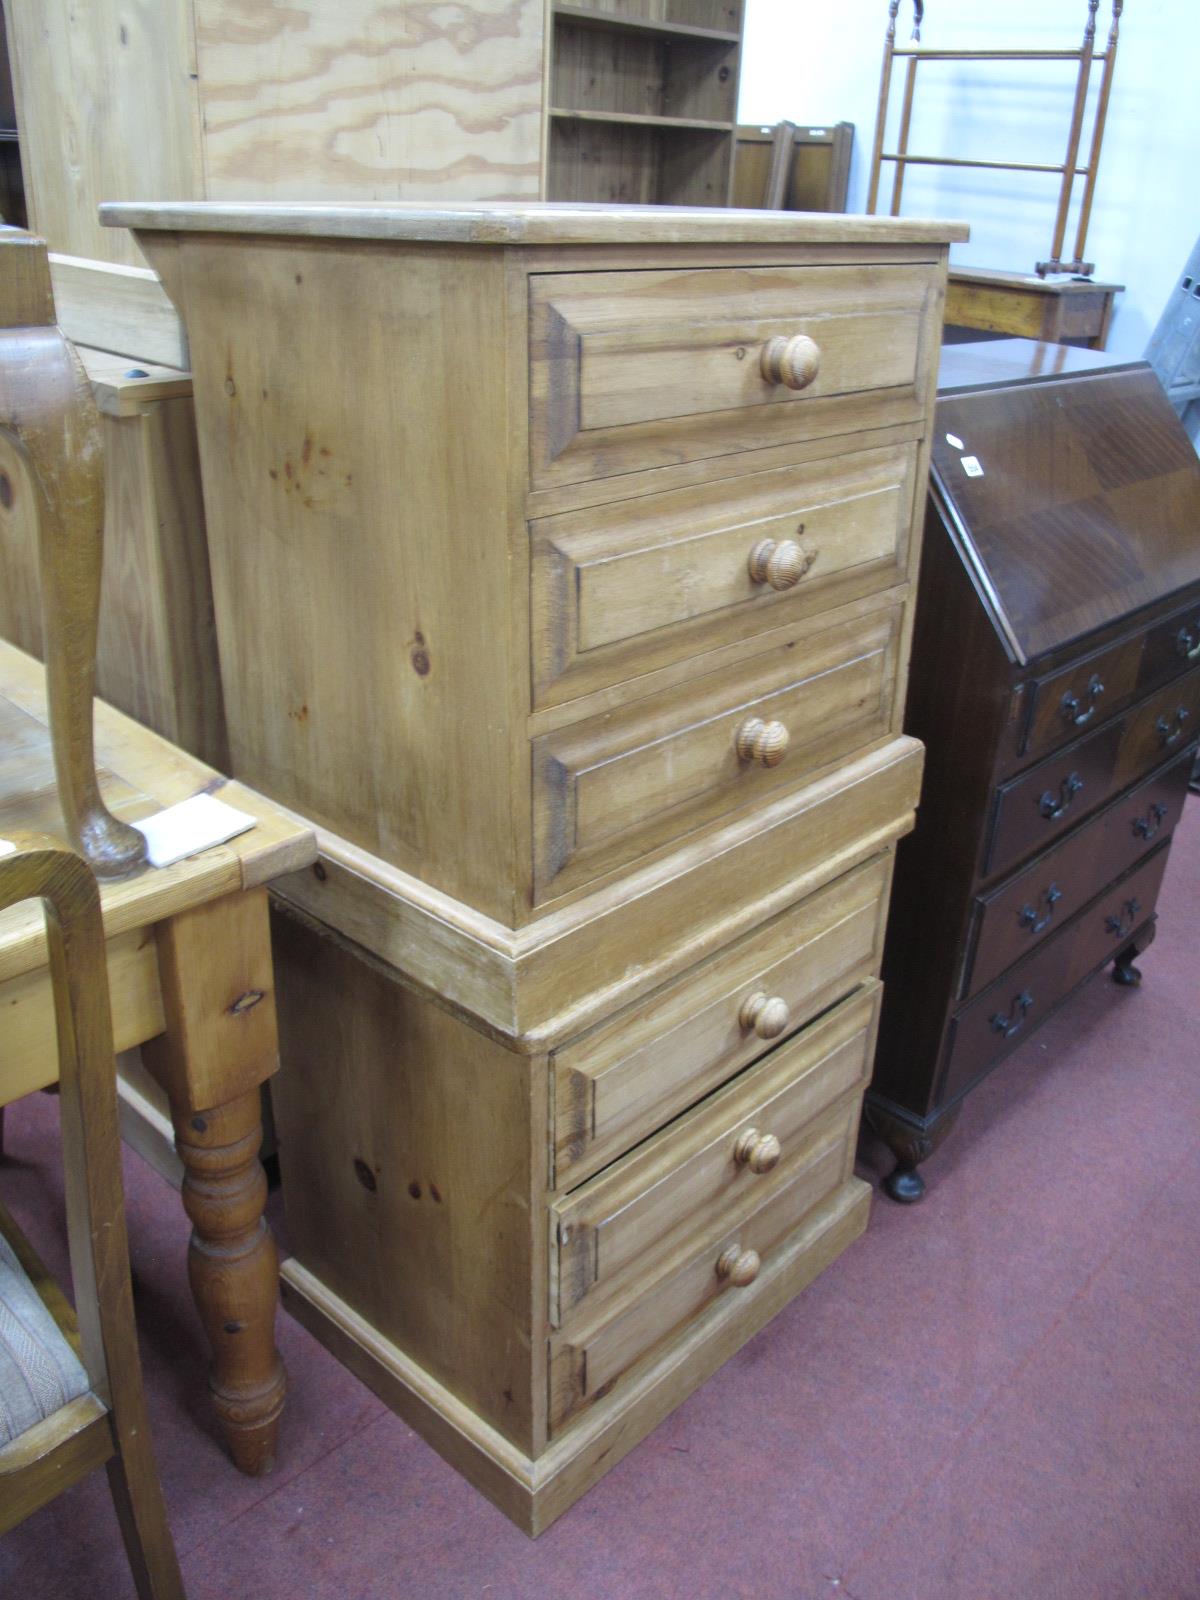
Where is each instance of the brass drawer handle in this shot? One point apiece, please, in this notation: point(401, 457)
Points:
point(768, 1015)
point(1187, 641)
point(1170, 730)
point(1072, 706)
point(758, 1151)
point(1051, 808)
point(780, 565)
point(1126, 922)
point(738, 1267)
point(794, 362)
point(1146, 827)
point(1028, 915)
point(1009, 1026)
point(763, 742)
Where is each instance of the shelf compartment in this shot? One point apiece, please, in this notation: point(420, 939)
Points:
point(643, 74)
point(637, 161)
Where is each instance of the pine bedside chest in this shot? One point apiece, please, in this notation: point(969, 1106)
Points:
point(562, 562)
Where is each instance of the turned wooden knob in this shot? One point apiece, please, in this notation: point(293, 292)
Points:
point(780, 565)
point(768, 1015)
point(764, 742)
point(758, 1151)
point(738, 1267)
point(794, 362)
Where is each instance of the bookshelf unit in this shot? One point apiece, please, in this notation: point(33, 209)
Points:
point(642, 101)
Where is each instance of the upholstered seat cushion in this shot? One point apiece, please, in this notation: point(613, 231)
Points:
point(39, 1372)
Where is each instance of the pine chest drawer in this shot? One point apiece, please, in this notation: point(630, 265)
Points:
point(601, 1345)
point(621, 1081)
point(610, 789)
point(632, 370)
point(703, 1171)
point(626, 588)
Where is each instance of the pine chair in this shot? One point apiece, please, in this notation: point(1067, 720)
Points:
point(70, 1382)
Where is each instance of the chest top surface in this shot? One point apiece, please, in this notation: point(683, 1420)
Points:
point(543, 223)
point(1072, 490)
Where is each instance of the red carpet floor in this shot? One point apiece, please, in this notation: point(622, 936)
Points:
point(992, 1396)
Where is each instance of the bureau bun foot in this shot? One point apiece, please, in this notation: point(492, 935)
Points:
point(905, 1185)
point(910, 1142)
point(1124, 971)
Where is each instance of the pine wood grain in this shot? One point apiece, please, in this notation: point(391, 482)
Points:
point(117, 307)
point(90, 130)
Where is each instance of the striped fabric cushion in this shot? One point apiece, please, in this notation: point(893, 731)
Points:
point(39, 1372)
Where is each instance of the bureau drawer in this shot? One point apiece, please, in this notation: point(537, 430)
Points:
point(1172, 646)
point(630, 370)
point(1005, 1014)
point(608, 790)
point(1146, 813)
point(588, 1357)
point(1161, 725)
point(1019, 1002)
point(1088, 691)
point(705, 1171)
point(622, 589)
point(1039, 901)
point(619, 1083)
point(1035, 904)
point(1106, 927)
point(1031, 811)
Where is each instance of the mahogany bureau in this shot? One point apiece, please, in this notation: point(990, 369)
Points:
point(562, 561)
point(1056, 684)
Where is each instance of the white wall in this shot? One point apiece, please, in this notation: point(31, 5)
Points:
point(818, 60)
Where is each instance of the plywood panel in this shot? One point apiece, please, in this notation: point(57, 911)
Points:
point(371, 99)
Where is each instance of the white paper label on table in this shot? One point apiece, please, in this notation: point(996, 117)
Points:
point(193, 825)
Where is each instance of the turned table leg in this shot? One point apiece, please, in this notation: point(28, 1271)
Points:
point(233, 1268)
point(219, 1045)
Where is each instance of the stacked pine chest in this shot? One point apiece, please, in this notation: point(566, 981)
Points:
point(563, 561)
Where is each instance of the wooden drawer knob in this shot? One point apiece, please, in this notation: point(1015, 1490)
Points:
point(764, 742)
point(758, 1151)
point(794, 362)
point(738, 1267)
point(768, 1015)
point(780, 565)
